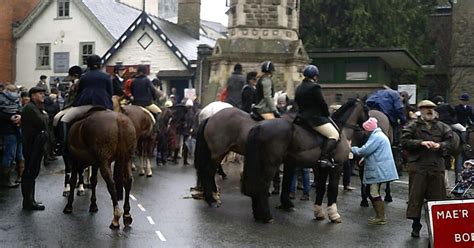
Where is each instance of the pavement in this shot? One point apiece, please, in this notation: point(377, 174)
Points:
point(165, 215)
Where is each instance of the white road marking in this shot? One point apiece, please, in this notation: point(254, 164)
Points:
point(160, 236)
point(141, 207)
point(133, 197)
point(150, 220)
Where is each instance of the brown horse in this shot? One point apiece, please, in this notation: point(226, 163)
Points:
point(99, 139)
point(146, 137)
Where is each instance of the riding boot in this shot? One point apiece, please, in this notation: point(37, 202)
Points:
point(27, 190)
point(326, 159)
point(379, 208)
point(20, 167)
point(5, 180)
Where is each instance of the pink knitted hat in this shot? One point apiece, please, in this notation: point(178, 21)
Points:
point(370, 125)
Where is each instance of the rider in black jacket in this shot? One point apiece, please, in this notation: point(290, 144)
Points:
point(313, 109)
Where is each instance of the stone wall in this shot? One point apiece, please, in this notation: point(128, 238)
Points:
point(462, 50)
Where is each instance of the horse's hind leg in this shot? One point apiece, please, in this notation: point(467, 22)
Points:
point(93, 207)
point(80, 189)
point(127, 178)
point(106, 173)
point(72, 181)
point(388, 191)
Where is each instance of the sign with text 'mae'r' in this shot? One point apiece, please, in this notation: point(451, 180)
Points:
point(451, 223)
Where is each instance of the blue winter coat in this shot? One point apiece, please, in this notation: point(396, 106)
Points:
point(379, 163)
point(388, 102)
point(95, 88)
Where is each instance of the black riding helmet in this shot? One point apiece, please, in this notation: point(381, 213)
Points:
point(311, 71)
point(268, 66)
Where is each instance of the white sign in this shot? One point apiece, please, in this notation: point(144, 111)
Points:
point(411, 89)
point(190, 94)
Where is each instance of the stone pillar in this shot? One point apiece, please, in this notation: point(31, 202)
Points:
point(203, 71)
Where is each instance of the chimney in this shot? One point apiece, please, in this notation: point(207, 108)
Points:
point(189, 16)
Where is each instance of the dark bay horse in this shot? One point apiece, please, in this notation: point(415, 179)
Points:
point(271, 143)
point(99, 139)
point(144, 122)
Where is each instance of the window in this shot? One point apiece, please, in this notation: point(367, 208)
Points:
point(357, 72)
point(63, 8)
point(43, 56)
point(86, 50)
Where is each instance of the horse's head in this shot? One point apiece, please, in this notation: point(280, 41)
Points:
point(351, 114)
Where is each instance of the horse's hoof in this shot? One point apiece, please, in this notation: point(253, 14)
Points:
point(388, 198)
point(81, 192)
point(114, 226)
point(150, 175)
point(286, 208)
point(141, 174)
point(93, 209)
point(265, 221)
point(319, 218)
point(214, 204)
point(336, 221)
point(65, 193)
point(67, 210)
point(127, 220)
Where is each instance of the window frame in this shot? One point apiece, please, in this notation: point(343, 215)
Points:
point(63, 3)
point(39, 57)
point(82, 60)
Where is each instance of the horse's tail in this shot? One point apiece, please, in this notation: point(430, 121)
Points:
point(252, 163)
point(125, 148)
point(202, 157)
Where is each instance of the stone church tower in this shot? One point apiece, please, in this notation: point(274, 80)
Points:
point(261, 30)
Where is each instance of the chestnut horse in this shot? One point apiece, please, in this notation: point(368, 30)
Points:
point(143, 122)
point(98, 139)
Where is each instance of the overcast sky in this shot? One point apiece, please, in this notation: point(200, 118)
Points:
point(214, 10)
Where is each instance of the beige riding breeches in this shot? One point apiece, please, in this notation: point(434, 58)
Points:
point(153, 108)
point(75, 112)
point(328, 130)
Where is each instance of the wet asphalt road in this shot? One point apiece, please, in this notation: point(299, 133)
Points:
point(165, 216)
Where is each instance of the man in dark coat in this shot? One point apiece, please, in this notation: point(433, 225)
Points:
point(95, 87)
point(313, 109)
point(464, 111)
point(117, 86)
point(249, 92)
point(34, 127)
point(426, 141)
point(234, 87)
point(143, 92)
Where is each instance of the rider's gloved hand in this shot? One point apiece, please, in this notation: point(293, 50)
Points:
point(276, 114)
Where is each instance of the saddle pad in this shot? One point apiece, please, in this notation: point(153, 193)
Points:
point(149, 113)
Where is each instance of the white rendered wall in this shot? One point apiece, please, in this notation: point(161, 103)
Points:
point(47, 29)
point(158, 55)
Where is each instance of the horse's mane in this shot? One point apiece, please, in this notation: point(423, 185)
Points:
point(342, 114)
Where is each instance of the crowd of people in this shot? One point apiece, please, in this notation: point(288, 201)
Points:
point(35, 122)
point(29, 119)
